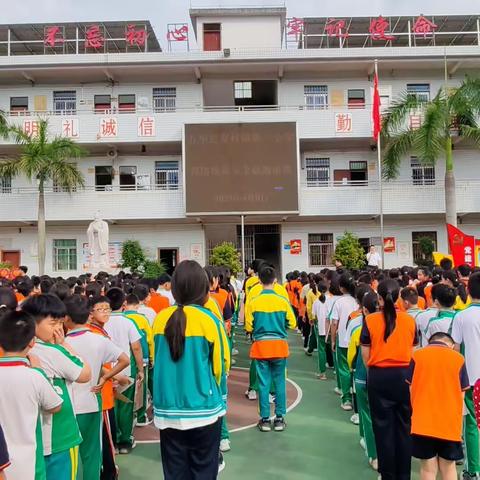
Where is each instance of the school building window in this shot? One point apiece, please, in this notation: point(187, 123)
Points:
point(316, 97)
point(356, 98)
point(128, 178)
point(64, 255)
point(420, 90)
point(103, 103)
point(166, 175)
point(126, 103)
point(164, 99)
point(243, 89)
point(320, 249)
point(65, 102)
point(6, 184)
point(416, 245)
point(318, 171)
point(103, 178)
point(18, 105)
point(422, 174)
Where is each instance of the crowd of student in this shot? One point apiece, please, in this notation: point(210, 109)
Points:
point(393, 339)
point(82, 360)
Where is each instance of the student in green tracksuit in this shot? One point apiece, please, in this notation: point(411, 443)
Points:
point(355, 361)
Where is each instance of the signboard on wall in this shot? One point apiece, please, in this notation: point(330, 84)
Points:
point(404, 250)
point(241, 168)
point(295, 247)
point(389, 245)
point(114, 255)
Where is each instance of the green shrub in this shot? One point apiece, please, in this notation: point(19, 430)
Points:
point(350, 252)
point(133, 256)
point(226, 255)
point(153, 269)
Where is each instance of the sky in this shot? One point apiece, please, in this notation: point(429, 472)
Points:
point(161, 12)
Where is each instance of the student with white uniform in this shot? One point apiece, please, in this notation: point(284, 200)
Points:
point(466, 333)
point(28, 394)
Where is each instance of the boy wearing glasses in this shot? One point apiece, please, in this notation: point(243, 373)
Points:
point(86, 397)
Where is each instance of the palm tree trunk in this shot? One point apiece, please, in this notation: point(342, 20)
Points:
point(41, 229)
point(450, 195)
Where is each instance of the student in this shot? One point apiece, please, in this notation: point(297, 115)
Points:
point(157, 301)
point(342, 310)
point(293, 288)
point(126, 335)
point(60, 432)
point(443, 321)
point(267, 318)
point(422, 319)
point(387, 340)
point(466, 333)
point(188, 369)
point(4, 457)
point(25, 393)
point(143, 293)
point(132, 304)
point(99, 315)
point(438, 378)
point(424, 280)
point(450, 279)
point(369, 305)
point(165, 287)
point(86, 396)
point(334, 293)
point(311, 295)
point(252, 275)
point(409, 301)
point(319, 315)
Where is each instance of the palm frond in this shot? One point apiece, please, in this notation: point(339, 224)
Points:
point(466, 97)
point(395, 149)
point(396, 116)
point(9, 168)
point(470, 133)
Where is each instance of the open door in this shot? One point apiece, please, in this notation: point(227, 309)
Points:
point(12, 257)
point(169, 258)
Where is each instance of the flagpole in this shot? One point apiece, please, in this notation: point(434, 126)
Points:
point(380, 185)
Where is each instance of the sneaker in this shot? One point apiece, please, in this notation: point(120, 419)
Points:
point(234, 351)
point(146, 423)
point(251, 394)
point(271, 399)
point(321, 376)
point(307, 352)
point(362, 443)
point(279, 424)
point(355, 419)
point(347, 406)
point(264, 425)
point(221, 462)
point(337, 391)
point(126, 449)
point(374, 464)
point(225, 445)
point(233, 362)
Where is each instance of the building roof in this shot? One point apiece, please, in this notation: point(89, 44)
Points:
point(29, 39)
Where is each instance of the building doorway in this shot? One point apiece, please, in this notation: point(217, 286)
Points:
point(12, 257)
point(262, 241)
point(169, 258)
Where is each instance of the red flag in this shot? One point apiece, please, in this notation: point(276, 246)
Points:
point(377, 121)
point(462, 246)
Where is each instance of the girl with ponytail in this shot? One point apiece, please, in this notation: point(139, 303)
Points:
point(387, 340)
point(191, 358)
point(312, 295)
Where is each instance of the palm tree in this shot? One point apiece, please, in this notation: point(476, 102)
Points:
point(451, 116)
point(43, 160)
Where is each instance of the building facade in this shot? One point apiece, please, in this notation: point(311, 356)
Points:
point(132, 106)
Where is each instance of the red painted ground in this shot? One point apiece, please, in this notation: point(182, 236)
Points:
point(241, 412)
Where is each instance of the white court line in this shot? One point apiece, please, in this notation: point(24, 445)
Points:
point(239, 429)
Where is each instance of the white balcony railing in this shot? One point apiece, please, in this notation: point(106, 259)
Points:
point(334, 199)
point(88, 126)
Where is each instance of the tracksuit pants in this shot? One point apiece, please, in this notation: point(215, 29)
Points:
point(268, 372)
point(471, 436)
point(90, 425)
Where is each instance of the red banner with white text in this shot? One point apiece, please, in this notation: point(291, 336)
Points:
point(462, 246)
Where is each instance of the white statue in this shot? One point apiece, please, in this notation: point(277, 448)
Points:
point(97, 234)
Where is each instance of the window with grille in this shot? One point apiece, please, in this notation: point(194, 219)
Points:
point(356, 98)
point(320, 249)
point(243, 89)
point(6, 184)
point(64, 255)
point(318, 171)
point(103, 178)
point(316, 97)
point(166, 175)
point(18, 105)
point(164, 99)
point(420, 90)
point(417, 252)
point(422, 174)
point(65, 102)
point(126, 103)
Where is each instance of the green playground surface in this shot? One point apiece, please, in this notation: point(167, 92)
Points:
point(319, 443)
